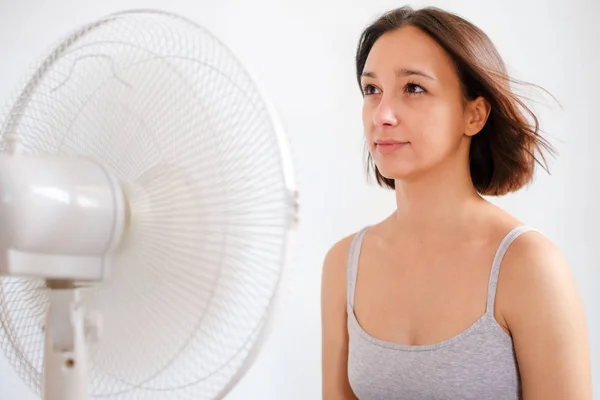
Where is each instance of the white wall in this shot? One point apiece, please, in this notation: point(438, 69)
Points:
point(303, 53)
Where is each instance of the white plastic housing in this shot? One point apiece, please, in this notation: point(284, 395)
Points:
point(61, 217)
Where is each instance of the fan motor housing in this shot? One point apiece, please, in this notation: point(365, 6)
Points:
point(61, 217)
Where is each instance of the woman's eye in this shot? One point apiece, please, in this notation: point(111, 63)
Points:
point(413, 88)
point(369, 90)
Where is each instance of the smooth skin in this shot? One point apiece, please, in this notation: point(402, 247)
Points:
point(424, 270)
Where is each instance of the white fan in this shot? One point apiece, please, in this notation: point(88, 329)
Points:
point(146, 201)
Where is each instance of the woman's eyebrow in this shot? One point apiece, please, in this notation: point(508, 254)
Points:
point(401, 72)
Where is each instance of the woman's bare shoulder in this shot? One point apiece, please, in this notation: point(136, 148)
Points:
point(333, 278)
point(336, 261)
point(337, 255)
point(545, 315)
point(532, 261)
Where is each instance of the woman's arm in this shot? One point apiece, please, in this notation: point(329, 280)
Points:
point(544, 313)
point(333, 322)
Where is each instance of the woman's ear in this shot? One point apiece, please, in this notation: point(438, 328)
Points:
point(476, 115)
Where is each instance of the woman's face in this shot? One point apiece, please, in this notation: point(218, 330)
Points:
point(414, 114)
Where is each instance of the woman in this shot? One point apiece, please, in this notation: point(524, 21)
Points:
point(449, 297)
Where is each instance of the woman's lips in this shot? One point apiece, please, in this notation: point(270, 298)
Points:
point(387, 146)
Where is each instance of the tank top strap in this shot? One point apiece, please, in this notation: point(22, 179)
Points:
point(495, 271)
point(352, 265)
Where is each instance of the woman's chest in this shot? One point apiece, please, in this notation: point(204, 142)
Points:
point(481, 365)
point(421, 297)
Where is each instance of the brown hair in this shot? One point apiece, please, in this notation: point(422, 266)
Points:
point(502, 155)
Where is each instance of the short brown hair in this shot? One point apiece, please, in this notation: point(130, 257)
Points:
point(502, 156)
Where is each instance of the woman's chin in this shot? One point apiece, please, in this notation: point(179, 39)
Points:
point(397, 173)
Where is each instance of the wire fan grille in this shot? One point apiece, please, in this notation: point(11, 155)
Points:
point(176, 118)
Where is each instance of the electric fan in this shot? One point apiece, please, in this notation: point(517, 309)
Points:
point(146, 205)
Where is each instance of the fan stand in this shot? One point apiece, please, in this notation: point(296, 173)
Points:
point(28, 251)
point(67, 333)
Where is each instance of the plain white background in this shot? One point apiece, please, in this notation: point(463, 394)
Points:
point(302, 52)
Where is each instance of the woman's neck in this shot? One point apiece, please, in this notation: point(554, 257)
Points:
point(437, 203)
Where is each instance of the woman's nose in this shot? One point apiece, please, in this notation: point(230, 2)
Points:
point(385, 114)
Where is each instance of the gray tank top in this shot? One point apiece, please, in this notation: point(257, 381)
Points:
point(478, 363)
